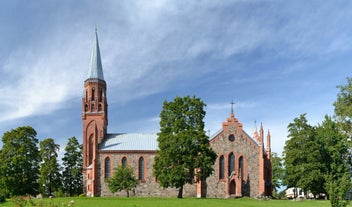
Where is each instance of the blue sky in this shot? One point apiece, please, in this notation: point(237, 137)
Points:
point(275, 59)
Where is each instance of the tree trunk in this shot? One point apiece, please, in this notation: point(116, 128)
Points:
point(128, 193)
point(180, 191)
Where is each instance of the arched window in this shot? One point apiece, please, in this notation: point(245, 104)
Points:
point(90, 150)
point(124, 161)
point(141, 169)
point(240, 166)
point(107, 168)
point(100, 95)
point(221, 167)
point(93, 94)
point(231, 163)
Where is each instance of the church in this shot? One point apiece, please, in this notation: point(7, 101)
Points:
point(242, 167)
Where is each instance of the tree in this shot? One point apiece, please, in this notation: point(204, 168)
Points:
point(72, 168)
point(123, 179)
point(278, 172)
point(337, 160)
point(302, 157)
point(49, 180)
point(20, 159)
point(184, 150)
point(343, 108)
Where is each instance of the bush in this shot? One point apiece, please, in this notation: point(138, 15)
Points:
point(59, 193)
point(3, 195)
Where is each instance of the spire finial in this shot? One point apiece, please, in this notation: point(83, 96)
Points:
point(232, 103)
point(96, 28)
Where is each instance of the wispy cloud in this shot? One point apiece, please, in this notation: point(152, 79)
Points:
point(253, 50)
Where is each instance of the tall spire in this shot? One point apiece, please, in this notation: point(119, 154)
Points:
point(95, 67)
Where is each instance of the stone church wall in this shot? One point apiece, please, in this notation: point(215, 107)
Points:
point(241, 146)
point(149, 187)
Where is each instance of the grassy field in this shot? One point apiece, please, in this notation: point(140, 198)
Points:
point(172, 202)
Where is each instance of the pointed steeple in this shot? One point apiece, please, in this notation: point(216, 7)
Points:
point(95, 67)
point(261, 134)
point(268, 145)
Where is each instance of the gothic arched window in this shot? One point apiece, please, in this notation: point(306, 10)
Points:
point(231, 163)
point(90, 150)
point(221, 167)
point(101, 95)
point(240, 166)
point(93, 94)
point(107, 168)
point(141, 169)
point(124, 161)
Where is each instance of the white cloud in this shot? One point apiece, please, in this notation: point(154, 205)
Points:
point(41, 79)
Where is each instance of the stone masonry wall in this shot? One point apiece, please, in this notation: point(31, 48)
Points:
point(149, 187)
point(241, 146)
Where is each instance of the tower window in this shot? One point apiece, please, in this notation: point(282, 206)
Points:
point(101, 95)
point(141, 169)
point(221, 167)
point(93, 94)
point(90, 150)
point(107, 168)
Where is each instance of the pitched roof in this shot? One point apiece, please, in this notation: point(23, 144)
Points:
point(133, 141)
point(213, 136)
point(95, 67)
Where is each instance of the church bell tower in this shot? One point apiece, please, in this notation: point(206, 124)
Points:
point(94, 118)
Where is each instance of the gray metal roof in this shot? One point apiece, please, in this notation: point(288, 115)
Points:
point(95, 67)
point(134, 141)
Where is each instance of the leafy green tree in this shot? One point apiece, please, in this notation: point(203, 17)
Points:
point(343, 109)
point(302, 159)
point(49, 180)
point(278, 172)
point(20, 159)
point(184, 150)
point(337, 159)
point(72, 168)
point(123, 179)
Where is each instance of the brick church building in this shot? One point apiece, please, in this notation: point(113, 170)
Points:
point(242, 167)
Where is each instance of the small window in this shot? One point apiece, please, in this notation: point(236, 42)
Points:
point(107, 168)
point(141, 169)
point(124, 161)
point(101, 95)
point(93, 94)
point(221, 167)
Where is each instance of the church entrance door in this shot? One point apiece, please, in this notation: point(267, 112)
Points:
point(232, 188)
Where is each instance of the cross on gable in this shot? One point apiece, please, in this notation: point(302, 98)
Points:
point(232, 103)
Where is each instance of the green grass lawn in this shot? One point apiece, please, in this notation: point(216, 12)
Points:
point(172, 202)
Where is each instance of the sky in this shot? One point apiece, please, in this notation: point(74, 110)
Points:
point(274, 59)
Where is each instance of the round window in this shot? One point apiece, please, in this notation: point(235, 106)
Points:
point(232, 137)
